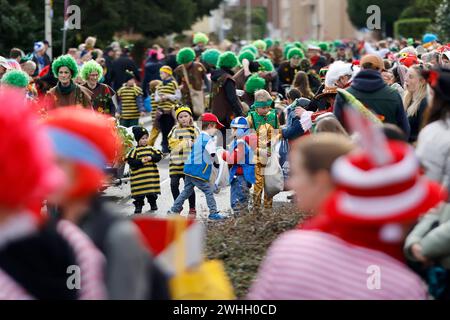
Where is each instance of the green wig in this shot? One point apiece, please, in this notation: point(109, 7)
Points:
point(210, 56)
point(227, 60)
point(185, 55)
point(16, 78)
point(65, 61)
point(324, 46)
point(295, 52)
point(246, 54)
point(90, 67)
point(265, 65)
point(287, 47)
point(260, 44)
point(200, 37)
point(250, 47)
point(269, 42)
point(254, 83)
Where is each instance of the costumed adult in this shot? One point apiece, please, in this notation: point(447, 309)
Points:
point(67, 92)
point(289, 68)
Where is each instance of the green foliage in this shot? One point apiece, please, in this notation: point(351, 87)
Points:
point(442, 25)
point(421, 9)
point(238, 30)
point(411, 28)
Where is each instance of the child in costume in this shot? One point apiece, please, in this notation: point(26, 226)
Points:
point(240, 157)
point(154, 114)
point(198, 167)
point(144, 172)
point(181, 139)
point(131, 103)
point(263, 119)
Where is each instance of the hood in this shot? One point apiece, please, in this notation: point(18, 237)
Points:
point(368, 81)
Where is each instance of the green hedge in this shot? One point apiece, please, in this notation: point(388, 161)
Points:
point(411, 28)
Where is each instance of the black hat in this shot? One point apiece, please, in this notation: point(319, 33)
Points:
point(139, 132)
point(439, 80)
point(128, 75)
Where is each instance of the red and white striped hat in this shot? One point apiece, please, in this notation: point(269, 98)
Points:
point(378, 194)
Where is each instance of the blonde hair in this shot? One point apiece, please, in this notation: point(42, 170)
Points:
point(90, 42)
point(412, 100)
point(262, 95)
point(331, 124)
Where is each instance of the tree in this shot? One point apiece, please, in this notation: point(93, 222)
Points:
point(390, 12)
point(239, 28)
point(421, 9)
point(442, 25)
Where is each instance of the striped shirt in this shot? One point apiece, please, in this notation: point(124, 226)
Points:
point(168, 89)
point(154, 107)
point(179, 150)
point(128, 96)
point(144, 176)
point(315, 265)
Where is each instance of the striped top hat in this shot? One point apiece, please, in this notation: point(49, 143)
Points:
point(371, 193)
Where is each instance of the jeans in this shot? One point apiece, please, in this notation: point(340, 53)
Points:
point(166, 123)
point(174, 187)
point(189, 184)
point(239, 193)
point(129, 122)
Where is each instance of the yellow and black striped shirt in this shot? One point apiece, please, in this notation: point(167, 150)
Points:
point(128, 96)
point(154, 106)
point(170, 88)
point(179, 150)
point(144, 176)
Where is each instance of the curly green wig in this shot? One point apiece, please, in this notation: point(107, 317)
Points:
point(269, 42)
point(65, 61)
point(246, 54)
point(16, 78)
point(254, 83)
point(295, 52)
point(265, 65)
point(227, 60)
point(210, 56)
point(250, 47)
point(324, 46)
point(287, 47)
point(90, 67)
point(185, 55)
point(260, 44)
point(200, 37)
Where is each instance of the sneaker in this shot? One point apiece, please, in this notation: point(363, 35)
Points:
point(171, 213)
point(216, 216)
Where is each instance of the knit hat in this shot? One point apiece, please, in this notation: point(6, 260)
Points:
point(139, 132)
point(254, 83)
point(182, 109)
point(185, 55)
point(227, 60)
point(200, 37)
point(128, 75)
point(166, 69)
point(210, 56)
point(29, 172)
point(260, 44)
point(250, 47)
point(265, 65)
point(439, 80)
point(90, 67)
point(246, 54)
point(65, 61)
point(16, 78)
point(89, 140)
point(378, 194)
point(295, 52)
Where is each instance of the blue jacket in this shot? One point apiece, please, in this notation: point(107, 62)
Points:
point(199, 164)
point(248, 167)
point(293, 128)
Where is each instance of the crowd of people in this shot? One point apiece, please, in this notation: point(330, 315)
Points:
point(362, 126)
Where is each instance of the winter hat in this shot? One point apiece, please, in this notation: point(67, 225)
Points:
point(38, 46)
point(29, 172)
point(183, 109)
point(250, 47)
point(166, 69)
point(429, 37)
point(90, 67)
point(185, 55)
point(295, 52)
point(439, 80)
point(210, 56)
point(128, 75)
point(242, 126)
point(254, 83)
point(65, 61)
point(246, 54)
point(16, 78)
point(265, 65)
point(260, 44)
point(269, 42)
point(227, 60)
point(89, 140)
point(200, 37)
point(139, 132)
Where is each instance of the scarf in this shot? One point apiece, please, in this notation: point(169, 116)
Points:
point(66, 90)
